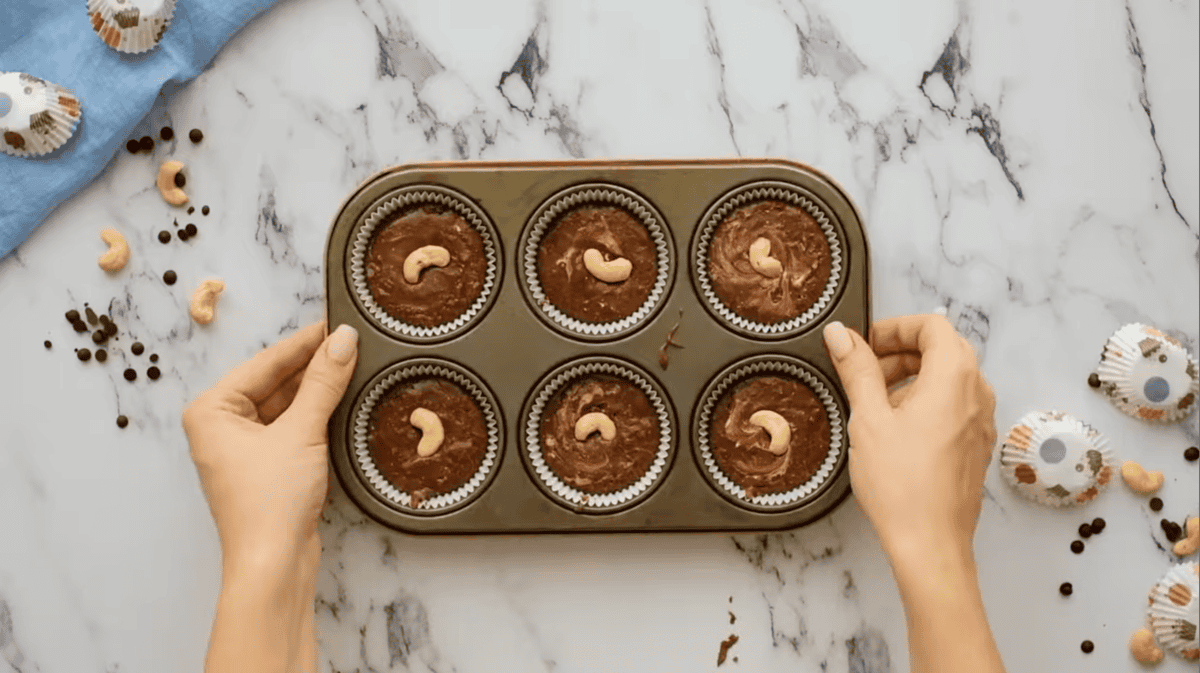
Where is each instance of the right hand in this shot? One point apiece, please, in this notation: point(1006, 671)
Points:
point(918, 455)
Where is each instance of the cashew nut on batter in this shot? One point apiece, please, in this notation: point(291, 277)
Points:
point(762, 261)
point(422, 258)
point(609, 271)
point(432, 433)
point(595, 422)
point(777, 427)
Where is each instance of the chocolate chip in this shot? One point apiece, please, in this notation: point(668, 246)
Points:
point(146, 144)
point(1170, 529)
point(47, 343)
point(204, 210)
point(130, 375)
point(1085, 530)
point(72, 316)
point(80, 326)
point(137, 348)
point(1087, 646)
point(169, 277)
point(164, 237)
point(1156, 504)
point(154, 357)
point(110, 329)
point(1098, 525)
point(191, 209)
point(1191, 454)
point(1065, 588)
point(166, 133)
point(105, 321)
point(182, 234)
point(1162, 358)
point(133, 147)
point(1077, 547)
point(191, 230)
point(99, 337)
point(83, 354)
point(1094, 380)
point(91, 316)
point(122, 421)
point(180, 181)
point(195, 135)
point(153, 373)
point(101, 355)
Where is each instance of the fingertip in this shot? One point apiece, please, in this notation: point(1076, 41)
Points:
point(343, 344)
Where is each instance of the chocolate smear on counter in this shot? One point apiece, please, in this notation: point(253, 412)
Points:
point(725, 645)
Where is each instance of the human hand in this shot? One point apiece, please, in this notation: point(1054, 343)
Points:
point(260, 443)
point(918, 455)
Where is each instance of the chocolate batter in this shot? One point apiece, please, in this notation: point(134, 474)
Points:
point(597, 465)
point(443, 293)
point(393, 440)
point(740, 448)
point(568, 284)
point(796, 241)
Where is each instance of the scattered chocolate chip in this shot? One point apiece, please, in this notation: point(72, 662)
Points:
point(166, 133)
point(105, 320)
point(182, 234)
point(133, 146)
point(47, 344)
point(99, 337)
point(1085, 530)
point(154, 357)
point(1156, 504)
point(72, 316)
point(191, 209)
point(83, 354)
point(130, 375)
point(195, 135)
point(1098, 525)
point(204, 210)
point(122, 421)
point(1162, 358)
point(91, 316)
point(1077, 546)
point(1065, 588)
point(110, 329)
point(1171, 529)
point(1094, 380)
point(191, 230)
point(180, 181)
point(101, 355)
point(164, 237)
point(169, 277)
point(1087, 646)
point(80, 326)
point(153, 373)
point(137, 348)
point(1191, 454)
point(146, 144)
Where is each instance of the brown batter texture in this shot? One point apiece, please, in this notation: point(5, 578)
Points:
point(597, 465)
point(796, 241)
point(393, 439)
point(442, 293)
point(568, 284)
point(740, 448)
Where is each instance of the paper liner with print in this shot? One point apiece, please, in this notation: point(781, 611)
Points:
point(704, 419)
point(595, 195)
point(740, 198)
point(36, 116)
point(131, 26)
point(1054, 459)
point(1173, 612)
point(1148, 374)
point(583, 500)
point(415, 196)
point(360, 437)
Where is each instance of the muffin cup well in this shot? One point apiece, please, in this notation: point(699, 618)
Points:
point(398, 201)
point(747, 195)
point(361, 429)
point(601, 195)
point(531, 429)
point(702, 427)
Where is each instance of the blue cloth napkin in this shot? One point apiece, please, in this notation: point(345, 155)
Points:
point(53, 39)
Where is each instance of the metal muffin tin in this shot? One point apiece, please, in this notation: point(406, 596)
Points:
point(512, 348)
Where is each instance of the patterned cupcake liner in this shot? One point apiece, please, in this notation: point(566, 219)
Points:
point(415, 196)
point(1148, 375)
point(759, 365)
point(570, 496)
point(1174, 611)
point(361, 430)
point(36, 116)
point(1054, 459)
point(739, 198)
point(131, 26)
point(595, 195)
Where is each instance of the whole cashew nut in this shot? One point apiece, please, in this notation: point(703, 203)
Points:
point(777, 427)
point(595, 422)
point(421, 258)
point(1143, 647)
point(762, 261)
point(432, 433)
point(1188, 545)
point(616, 270)
point(203, 305)
point(1139, 479)
point(118, 250)
point(166, 183)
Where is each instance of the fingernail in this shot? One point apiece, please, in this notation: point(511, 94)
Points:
point(838, 339)
point(342, 344)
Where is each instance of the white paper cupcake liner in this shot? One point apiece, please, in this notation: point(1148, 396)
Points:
point(1054, 459)
point(36, 116)
point(703, 429)
point(583, 500)
point(1148, 374)
point(415, 196)
point(1174, 611)
point(740, 198)
point(597, 195)
point(362, 428)
point(131, 26)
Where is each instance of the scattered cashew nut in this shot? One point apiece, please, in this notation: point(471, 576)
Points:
point(1139, 479)
point(421, 258)
point(166, 183)
point(1143, 647)
point(203, 306)
point(118, 250)
point(1188, 545)
point(777, 427)
point(595, 422)
point(762, 261)
point(609, 271)
point(432, 433)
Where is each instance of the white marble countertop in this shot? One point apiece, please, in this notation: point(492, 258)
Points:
point(1032, 166)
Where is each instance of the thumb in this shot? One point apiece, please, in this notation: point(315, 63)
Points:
point(325, 380)
point(858, 369)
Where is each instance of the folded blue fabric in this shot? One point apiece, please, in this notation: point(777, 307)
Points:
point(53, 39)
